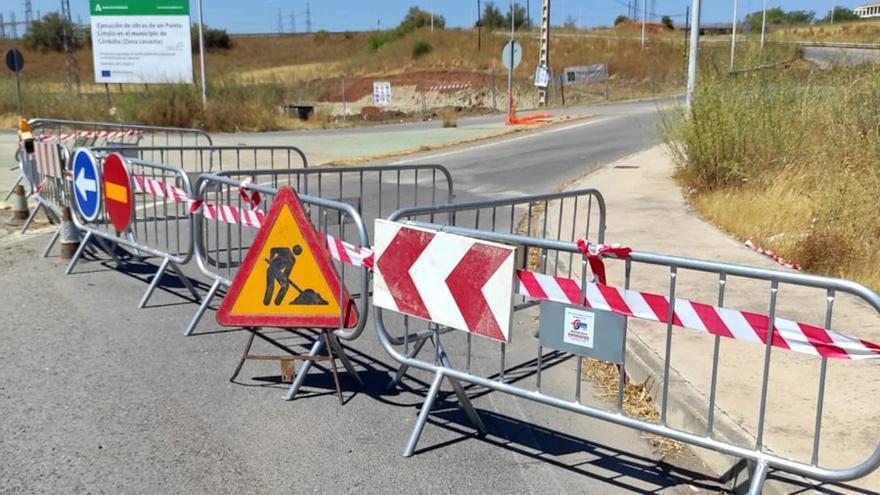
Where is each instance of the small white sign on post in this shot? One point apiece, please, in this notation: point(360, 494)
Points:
point(579, 327)
point(542, 76)
point(141, 42)
point(381, 93)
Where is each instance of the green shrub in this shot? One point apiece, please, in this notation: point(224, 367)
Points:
point(49, 33)
point(322, 36)
point(421, 48)
point(215, 39)
point(377, 40)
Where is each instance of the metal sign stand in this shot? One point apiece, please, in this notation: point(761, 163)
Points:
point(288, 367)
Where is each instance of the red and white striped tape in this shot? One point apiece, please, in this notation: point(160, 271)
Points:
point(723, 322)
point(449, 87)
point(90, 134)
point(770, 254)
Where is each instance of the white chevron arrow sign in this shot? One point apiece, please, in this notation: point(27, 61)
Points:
point(456, 281)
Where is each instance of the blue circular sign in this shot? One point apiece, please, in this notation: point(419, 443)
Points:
point(86, 185)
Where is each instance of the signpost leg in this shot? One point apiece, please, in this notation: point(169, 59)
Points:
point(402, 370)
point(463, 400)
point(156, 278)
point(78, 253)
point(202, 308)
point(52, 242)
point(316, 349)
point(423, 415)
point(18, 90)
point(343, 358)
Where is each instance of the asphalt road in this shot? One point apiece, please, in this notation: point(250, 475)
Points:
point(99, 397)
point(543, 160)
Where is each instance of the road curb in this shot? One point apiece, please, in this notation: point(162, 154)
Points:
point(688, 406)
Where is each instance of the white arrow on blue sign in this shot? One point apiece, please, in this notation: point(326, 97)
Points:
point(86, 185)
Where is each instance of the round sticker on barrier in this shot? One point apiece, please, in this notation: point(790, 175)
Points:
point(86, 185)
point(118, 196)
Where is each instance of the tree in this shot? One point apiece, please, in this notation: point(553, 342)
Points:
point(417, 18)
point(621, 19)
point(570, 22)
point(49, 33)
point(778, 17)
point(492, 17)
point(841, 14)
point(520, 19)
point(667, 22)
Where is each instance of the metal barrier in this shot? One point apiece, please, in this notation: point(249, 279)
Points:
point(45, 169)
point(818, 341)
point(73, 134)
point(221, 245)
point(208, 159)
point(573, 215)
point(363, 188)
point(161, 227)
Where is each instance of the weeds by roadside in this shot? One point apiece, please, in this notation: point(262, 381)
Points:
point(789, 157)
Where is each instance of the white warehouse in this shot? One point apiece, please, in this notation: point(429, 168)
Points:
point(868, 10)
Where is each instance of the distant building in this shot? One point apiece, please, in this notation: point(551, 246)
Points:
point(868, 10)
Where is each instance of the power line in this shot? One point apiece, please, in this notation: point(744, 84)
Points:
point(308, 18)
point(292, 19)
point(280, 28)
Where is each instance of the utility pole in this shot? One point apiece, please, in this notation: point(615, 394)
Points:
point(528, 14)
point(280, 28)
point(28, 15)
point(69, 43)
point(544, 60)
point(692, 57)
point(292, 19)
point(832, 12)
point(733, 36)
point(308, 18)
point(14, 25)
point(644, 20)
point(432, 17)
point(763, 23)
point(202, 62)
point(510, 68)
point(479, 26)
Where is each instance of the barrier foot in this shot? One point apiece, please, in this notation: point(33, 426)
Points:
point(52, 242)
point(186, 281)
point(756, 486)
point(423, 416)
point(398, 377)
point(78, 254)
point(463, 400)
point(31, 218)
point(12, 189)
point(317, 347)
point(156, 278)
point(202, 308)
point(343, 358)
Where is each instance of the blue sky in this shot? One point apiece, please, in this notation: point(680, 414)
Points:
point(239, 16)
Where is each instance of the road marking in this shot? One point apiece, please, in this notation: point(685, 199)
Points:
point(116, 192)
point(530, 135)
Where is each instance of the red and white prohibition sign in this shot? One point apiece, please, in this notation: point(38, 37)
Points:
point(452, 280)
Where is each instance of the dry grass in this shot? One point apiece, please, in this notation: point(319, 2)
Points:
point(790, 158)
point(846, 32)
point(248, 82)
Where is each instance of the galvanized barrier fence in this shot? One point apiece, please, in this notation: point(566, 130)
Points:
point(161, 224)
point(46, 169)
point(565, 216)
point(63, 136)
point(370, 191)
point(624, 300)
point(209, 159)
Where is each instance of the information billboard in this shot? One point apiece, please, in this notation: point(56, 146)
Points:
point(141, 41)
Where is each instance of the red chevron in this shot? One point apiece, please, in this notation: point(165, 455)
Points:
point(394, 264)
point(466, 282)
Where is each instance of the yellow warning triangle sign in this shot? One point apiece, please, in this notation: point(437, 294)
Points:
point(287, 279)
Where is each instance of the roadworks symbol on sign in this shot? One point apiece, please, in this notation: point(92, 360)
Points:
point(287, 279)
